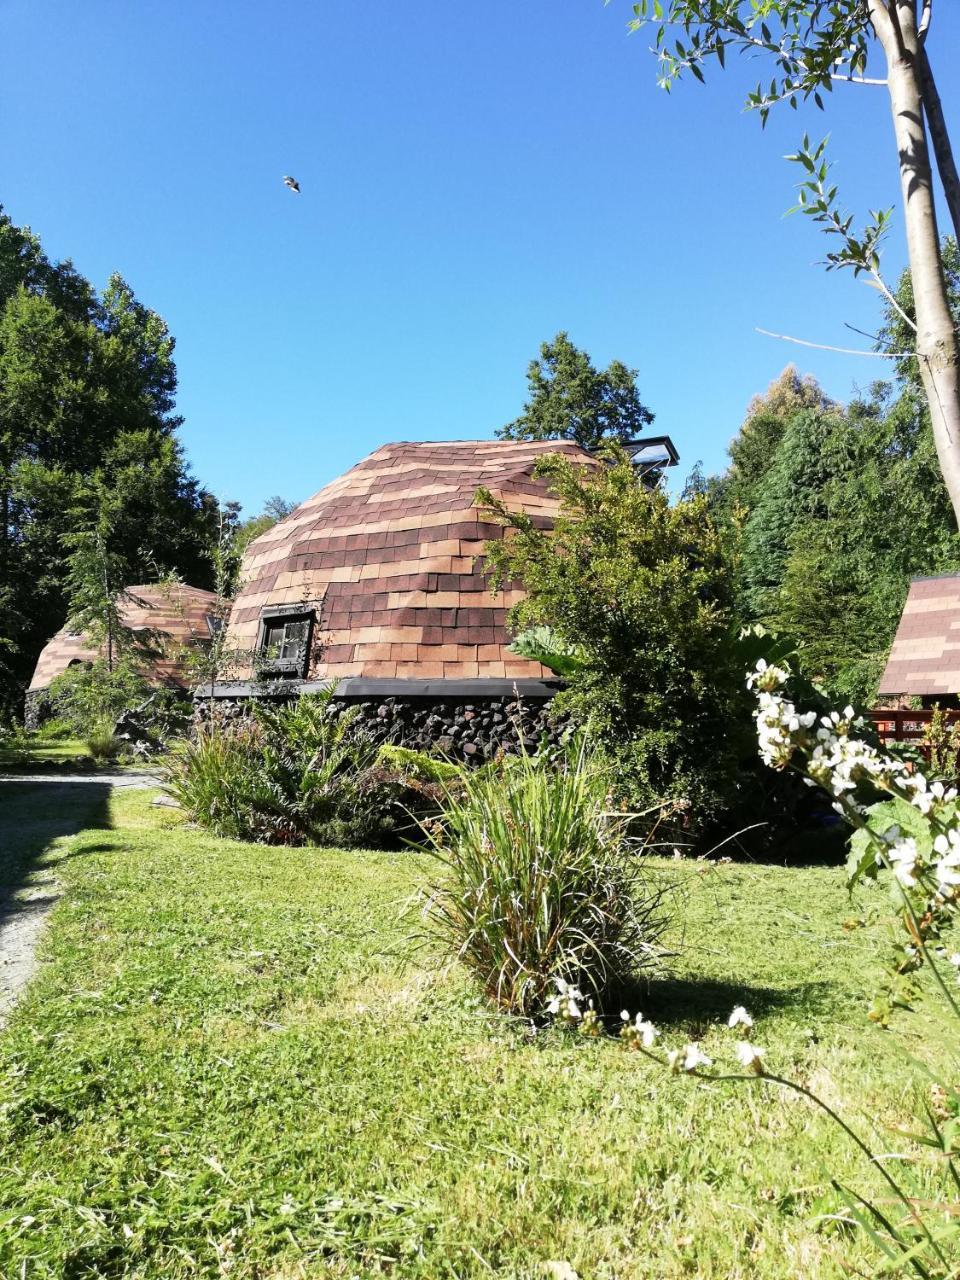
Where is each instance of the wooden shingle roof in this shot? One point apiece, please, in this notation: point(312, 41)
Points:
point(925, 657)
point(174, 615)
point(390, 557)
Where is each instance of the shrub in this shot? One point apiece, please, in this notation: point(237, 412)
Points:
point(14, 742)
point(541, 885)
point(55, 730)
point(86, 697)
point(295, 774)
point(630, 596)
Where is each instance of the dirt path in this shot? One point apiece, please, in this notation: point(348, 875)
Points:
point(39, 810)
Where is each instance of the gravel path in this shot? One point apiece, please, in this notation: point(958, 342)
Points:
point(24, 909)
point(20, 931)
point(82, 779)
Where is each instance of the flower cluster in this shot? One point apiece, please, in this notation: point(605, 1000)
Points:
point(902, 821)
point(638, 1033)
point(828, 751)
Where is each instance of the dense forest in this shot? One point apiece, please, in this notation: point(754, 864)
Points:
point(837, 507)
point(91, 467)
point(87, 387)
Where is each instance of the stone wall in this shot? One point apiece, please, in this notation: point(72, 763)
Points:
point(470, 729)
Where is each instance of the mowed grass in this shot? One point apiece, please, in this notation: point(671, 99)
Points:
point(34, 751)
point(234, 1062)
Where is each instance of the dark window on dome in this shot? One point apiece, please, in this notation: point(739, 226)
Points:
point(214, 624)
point(283, 645)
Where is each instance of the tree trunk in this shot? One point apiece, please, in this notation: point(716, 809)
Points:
point(938, 354)
point(942, 150)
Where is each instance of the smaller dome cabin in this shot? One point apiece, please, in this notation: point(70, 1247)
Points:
point(924, 660)
point(380, 576)
point(172, 617)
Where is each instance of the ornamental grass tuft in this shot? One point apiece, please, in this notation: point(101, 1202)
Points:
point(541, 885)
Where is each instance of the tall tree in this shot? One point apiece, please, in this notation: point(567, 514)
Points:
point(97, 574)
point(755, 446)
point(570, 399)
point(87, 386)
point(812, 44)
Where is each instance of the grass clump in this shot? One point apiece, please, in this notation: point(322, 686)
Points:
point(103, 744)
point(288, 775)
point(542, 887)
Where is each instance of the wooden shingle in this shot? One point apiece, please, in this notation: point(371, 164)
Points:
point(396, 545)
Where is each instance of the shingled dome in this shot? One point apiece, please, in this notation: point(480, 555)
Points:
point(380, 574)
point(925, 658)
point(174, 617)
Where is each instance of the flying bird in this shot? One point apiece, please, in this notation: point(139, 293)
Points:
point(292, 183)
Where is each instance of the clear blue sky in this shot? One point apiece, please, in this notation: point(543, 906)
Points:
point(474, 179)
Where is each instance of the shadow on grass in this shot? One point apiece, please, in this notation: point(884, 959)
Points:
point(698, 1002)
point(32, 816)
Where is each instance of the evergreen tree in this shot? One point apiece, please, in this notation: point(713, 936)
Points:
point(87, 387)
point(570, 399)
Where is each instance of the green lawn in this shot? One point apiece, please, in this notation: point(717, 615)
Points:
point(36, 754)
point(43, 754)
point(234, 1063)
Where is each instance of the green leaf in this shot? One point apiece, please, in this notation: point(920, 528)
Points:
point(862, 859)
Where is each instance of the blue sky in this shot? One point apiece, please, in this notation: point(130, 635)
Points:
point(474, 179)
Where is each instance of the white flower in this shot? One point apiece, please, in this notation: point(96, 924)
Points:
point(750, 1056)
point(739, 1018)
point(566, 1003)
point(640, 1030)
point(693, 1057)
point(903, 858)
point(948, 869)
point(647, 1032)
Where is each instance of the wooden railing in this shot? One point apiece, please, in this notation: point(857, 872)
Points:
point(907, 726)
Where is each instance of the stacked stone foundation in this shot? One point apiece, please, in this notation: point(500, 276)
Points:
point(470, 728)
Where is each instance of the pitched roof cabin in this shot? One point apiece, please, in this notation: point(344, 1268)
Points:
point(925, 658)
point(380, 576)
point(171, 617)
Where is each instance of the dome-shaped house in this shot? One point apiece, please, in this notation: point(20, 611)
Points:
point(380, 576)
point(171, 618)
point(377, 582)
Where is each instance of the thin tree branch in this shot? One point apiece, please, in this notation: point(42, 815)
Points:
point(925, 18)
point(874, 337)
point(942, 150)
point(844, 351)
point(892, 300)
point(835, 75)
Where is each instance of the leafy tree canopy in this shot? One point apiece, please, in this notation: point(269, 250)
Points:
point(570, 399)
point(808, 46)
point(839, 506)
point(87, 391)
